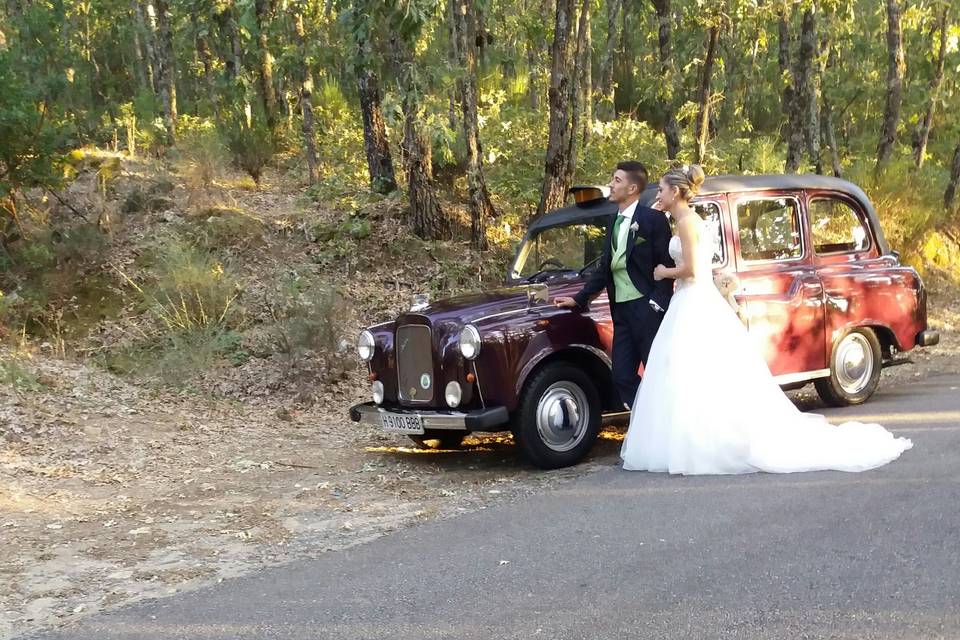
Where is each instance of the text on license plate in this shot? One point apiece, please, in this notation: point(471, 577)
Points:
point(401, 422)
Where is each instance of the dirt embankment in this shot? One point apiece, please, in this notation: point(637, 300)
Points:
point(112, 492)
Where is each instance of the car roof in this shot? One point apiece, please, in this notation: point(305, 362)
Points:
point(601, 207)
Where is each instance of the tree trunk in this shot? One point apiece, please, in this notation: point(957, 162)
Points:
point(375, 144)
point(703, 96)
point(144, 72)
point(950, 195)
point(465, 52)
point(895, 71)
point(556, 180)
point(922, 134)
point(427, 219)
point(607, 91)
point(305, 80)
point(264, 10)
point(576, 97)
point(829, 132)
point(206, 59)
point(586, 77)
point(671, 130)
point(168, 80)
point(148, 30)
point(789, 97)
point(808, 85)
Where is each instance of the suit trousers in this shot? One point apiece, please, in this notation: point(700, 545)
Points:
point(635, 324)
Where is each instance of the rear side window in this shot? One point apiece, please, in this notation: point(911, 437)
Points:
point(769, 229)
point(836, 227)
point(710, 213)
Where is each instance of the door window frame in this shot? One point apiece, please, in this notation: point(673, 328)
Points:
point(739, 199)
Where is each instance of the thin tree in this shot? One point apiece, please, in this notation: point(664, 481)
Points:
point(427, 218)
point(264, 11)
point(950, 195)
point(896, 66)
point(465, 53)
point(305, 85)
point(790, 100)
point(703, 95)
point(671, 130)
point(556, 180)
point(922, 135)
point(807, 82)
point(361, 19)
point(607, 90)
point(166, 59)
point(585, 59)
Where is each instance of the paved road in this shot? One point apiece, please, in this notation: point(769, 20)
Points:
point(616, 554)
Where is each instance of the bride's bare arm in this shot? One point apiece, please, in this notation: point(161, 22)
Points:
point(687, 230)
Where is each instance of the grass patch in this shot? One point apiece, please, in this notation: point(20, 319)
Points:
point(224, 229)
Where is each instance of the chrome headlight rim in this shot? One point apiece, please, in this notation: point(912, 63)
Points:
point(366, 346)
point(470, 342)
point(453, 394)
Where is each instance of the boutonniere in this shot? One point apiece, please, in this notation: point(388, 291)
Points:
point(634, 227)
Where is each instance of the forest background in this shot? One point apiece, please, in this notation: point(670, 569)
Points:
point(154, 152)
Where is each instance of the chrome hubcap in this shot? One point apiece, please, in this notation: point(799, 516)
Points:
point(854, 363)
point(562, 416)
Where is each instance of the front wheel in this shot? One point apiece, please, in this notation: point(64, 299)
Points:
point(558, 418)
point(854, 369)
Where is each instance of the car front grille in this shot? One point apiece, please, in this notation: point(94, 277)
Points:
point(415, 363)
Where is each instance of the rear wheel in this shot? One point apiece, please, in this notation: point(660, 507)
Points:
point(854, 369)
point(439, 439)
point(559, 416)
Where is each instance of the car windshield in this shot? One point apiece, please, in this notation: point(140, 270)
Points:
point(562, 249)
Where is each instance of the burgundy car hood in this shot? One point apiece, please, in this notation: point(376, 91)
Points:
point(470, 308)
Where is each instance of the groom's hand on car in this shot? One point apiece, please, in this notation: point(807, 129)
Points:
point(565, 302)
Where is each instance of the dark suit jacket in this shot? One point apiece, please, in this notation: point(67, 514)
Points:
point(642, 257)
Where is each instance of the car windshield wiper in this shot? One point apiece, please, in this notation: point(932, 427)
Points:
point(588, 265)
point(531, 278)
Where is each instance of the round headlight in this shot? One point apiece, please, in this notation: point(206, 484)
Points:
point(376, 390)
point(470, 342)
point(452, 394)
point(366, 345)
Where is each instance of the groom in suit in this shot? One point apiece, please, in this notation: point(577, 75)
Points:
point(637, 241)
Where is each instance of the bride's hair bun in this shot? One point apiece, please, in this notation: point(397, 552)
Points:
point(687, 179)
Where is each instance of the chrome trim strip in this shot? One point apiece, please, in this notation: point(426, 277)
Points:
point(477, 381)
point(506, 313)
point(803, 376)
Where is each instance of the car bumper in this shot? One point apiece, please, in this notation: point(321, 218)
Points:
point(928, 338)
point(488, 419)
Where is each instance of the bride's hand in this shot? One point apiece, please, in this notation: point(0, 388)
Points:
point(659, 272)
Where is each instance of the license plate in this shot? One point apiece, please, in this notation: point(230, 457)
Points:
point(401, 422)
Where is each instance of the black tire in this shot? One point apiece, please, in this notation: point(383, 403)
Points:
point(439, 439)
point(855, 363)
point(554, 397)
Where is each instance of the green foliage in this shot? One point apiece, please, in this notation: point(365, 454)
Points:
point(251, 145)
point(33, 143)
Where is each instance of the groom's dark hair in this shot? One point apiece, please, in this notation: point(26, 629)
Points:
point(636, 172)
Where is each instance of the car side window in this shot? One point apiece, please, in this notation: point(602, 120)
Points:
point(710, 213)
point(836, 227)
point(769, 229)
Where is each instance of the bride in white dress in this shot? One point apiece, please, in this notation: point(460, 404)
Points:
point(708, 403)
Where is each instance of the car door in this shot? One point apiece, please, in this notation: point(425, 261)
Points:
point(779, 286)
point(854, 293)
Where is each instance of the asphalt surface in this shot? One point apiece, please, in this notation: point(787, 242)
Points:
point(638, 555)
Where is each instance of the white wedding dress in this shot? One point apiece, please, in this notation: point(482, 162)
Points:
point(708, 403)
